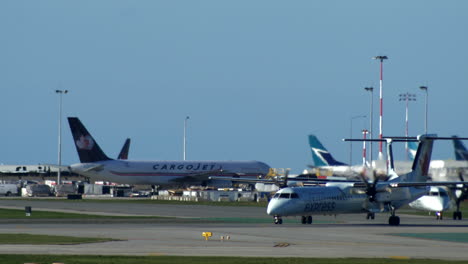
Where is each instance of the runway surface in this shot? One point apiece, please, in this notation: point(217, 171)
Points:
point(249, 228)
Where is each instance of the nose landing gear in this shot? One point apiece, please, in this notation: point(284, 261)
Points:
point(278, 220)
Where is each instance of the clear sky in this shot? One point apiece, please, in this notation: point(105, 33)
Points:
point(255, 77)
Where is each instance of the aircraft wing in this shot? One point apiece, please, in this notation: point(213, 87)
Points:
point(243, 180)
point(421, 184)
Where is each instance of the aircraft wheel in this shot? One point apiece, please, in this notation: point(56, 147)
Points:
point(278, 220)
point(457, 215)
point(303, 220)
point(309, 219)
point(370, 216)
point(394, 220)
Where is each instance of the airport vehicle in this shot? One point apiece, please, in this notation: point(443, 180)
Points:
point(94, 163)
point(63, 190)
point(360, 197)
point(8, 189)
point(37, 190)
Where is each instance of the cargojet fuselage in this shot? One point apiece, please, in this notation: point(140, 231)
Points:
point(168, 172)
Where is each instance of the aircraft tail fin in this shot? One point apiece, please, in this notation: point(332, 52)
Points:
point(420, 169)
point(412, 148)
point(123, 155)
point(87, 148)
point(320, 154)
point(461, 153)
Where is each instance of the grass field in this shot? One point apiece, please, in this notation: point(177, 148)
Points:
point(47, 259)
point(28, 239)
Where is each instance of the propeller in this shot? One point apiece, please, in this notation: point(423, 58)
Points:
point(371, 188)
point(284, 183)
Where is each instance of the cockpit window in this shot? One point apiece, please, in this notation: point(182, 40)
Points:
point(286, 196)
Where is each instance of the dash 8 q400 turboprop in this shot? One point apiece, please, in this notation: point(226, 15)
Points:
point(360, 197)
point(97, 165)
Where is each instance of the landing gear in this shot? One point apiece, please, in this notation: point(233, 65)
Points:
point(439, 215)
point(370, 216)
point(306, 220)
point(457, 215)
point(278, 220)
point(393, 220)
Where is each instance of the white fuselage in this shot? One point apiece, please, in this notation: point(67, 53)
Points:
point(337, 199)
point(437, 200)
point(167, 172)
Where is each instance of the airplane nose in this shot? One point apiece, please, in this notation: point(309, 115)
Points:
point(274, 207)
point(271, 208)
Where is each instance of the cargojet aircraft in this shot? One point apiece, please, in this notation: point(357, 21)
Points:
point(97, 165)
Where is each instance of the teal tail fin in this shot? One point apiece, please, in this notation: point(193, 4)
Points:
point(320, 154)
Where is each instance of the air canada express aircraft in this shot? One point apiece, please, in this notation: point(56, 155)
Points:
point(98, 166)
point(360, 197)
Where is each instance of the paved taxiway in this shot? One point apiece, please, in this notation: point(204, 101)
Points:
point(343, 236)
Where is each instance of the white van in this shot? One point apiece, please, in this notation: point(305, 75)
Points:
point(8, 189)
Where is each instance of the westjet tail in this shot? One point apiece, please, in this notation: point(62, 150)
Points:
point(320, 154)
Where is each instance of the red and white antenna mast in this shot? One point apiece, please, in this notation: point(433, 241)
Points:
point(381, 58)
point(364, 154)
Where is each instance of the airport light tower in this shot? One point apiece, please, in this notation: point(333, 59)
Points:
point(424, 88)
point(371, 114)
point(381, 58)
point(407, 97)
point(60, 93)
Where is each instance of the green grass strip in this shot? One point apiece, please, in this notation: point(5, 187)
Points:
point(21, 214)
point(28, 239)
point(452, 237)
point(47, 259)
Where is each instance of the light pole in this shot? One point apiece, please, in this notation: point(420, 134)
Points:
point(185, 135)
point(351, 136)
point(381, 58)
point(424, 88)
point(407, 97)
point(60, 93)
point(371, 129)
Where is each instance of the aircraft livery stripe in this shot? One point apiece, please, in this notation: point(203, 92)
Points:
point(177, 174)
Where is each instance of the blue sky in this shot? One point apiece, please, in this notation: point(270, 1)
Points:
point(255, 77)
